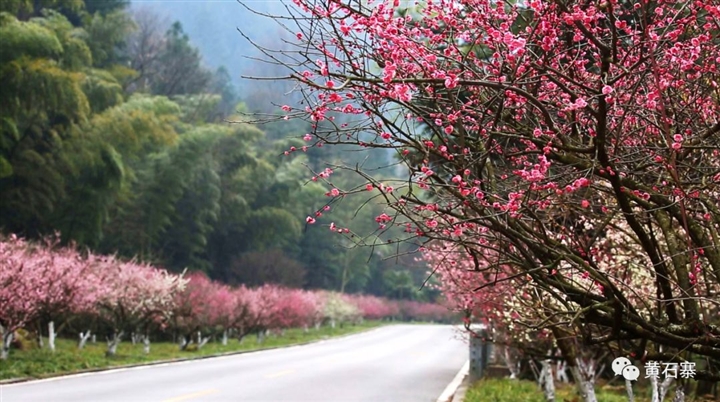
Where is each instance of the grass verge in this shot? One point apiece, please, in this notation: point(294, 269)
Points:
point(506, 390)
point(67, 359)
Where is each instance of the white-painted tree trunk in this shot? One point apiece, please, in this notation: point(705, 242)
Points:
point(547, 381)
point(93, 339)
point(332, 323)
point(83, 339)
point(202, 341)
point(660, 389)
point(561, 374)
point(512, 365)
point(584, 375)
point(629, 390)
point(41, 341)
point(51, 336)
point(6, 341)
point(317, 325)
point(146, 344)
point(225, 337)
point(184, 343)
point(135, 338)
point(113, 343)
point(679, 395)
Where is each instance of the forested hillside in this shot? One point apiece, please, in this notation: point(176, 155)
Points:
point(115, 135)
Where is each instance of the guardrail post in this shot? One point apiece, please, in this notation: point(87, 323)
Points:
point(479, 353)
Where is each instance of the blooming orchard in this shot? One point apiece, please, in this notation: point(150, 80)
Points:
point(578, 141)
point(48, 282)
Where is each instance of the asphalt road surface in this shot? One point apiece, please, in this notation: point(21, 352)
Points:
point(399, 363)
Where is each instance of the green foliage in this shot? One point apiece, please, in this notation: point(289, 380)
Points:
point(26, 39)
point(76, 52)
point(107, 34)
point(34, 7)
point(102, 90)
point(114, 134)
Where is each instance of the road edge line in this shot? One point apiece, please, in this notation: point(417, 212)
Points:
point(449, 391)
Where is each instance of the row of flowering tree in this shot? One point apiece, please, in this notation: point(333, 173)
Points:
point(563, 154)
point(46, 285)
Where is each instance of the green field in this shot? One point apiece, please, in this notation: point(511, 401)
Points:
point(40, 363)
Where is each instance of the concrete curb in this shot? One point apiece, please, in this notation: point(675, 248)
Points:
point(450, 393)
point(179, 360)
point(462, 390)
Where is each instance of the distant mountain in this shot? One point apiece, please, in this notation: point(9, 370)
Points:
point(213, 26)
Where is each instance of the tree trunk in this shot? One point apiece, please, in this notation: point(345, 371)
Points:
point(547, 381)
point(51, 336)
point(561, 372)
point(629, 390)
point(201, 341)
point(113, 343)
point(679, 394)
point(83, 339)
point(225, 338)
point(584, 383)
point(146, 344)
point(584, 373)
point(41, 341)
point(660, 389)
point(6, 341)
point(511, 364)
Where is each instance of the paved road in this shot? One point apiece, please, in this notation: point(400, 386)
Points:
point(399, 363)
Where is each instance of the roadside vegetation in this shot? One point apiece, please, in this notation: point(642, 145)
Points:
point(38, 362)
point(508, 390)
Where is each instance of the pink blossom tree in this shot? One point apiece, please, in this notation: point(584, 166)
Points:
point(22, 284)
point(137, 296)
point(538, 128)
